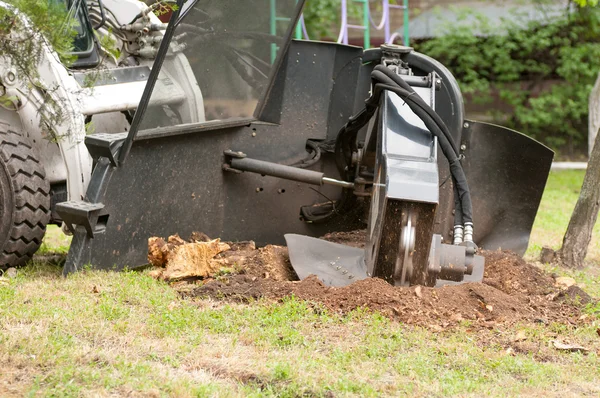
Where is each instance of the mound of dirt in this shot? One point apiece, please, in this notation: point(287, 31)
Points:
point(511, 274)
point(512, 291)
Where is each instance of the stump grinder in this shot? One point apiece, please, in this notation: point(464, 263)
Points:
point(298, 139)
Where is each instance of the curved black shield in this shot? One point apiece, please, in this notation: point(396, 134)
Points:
point(507, 173)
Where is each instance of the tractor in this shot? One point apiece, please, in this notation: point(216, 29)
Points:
point(279, 140)
point(45, 118)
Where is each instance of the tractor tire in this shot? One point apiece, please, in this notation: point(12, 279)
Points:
point(24, 200)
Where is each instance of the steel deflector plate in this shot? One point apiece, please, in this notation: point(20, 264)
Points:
point(507, 173)
point(334, 264)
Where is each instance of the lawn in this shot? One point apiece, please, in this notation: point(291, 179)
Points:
point(114, 334)
point(558, 202)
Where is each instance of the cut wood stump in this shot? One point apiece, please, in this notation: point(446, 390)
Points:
point(178, 259)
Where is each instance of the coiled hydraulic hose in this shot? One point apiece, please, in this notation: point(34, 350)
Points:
point(384, 79)
point(462, 198)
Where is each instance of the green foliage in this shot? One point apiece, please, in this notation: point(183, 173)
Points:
point(47, 17)
point(24, 28)
point(108, 43)
point(543, 72)
point(322, 17)
point(584, 3)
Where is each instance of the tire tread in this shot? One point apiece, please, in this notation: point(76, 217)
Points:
point(31, 210)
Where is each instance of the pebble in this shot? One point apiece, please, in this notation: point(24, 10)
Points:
point(565, 281)
point(11, 273)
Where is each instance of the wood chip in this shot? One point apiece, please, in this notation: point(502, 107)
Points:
point(520, 336)
point(568, 347)
point(418, 292)
point(456, 317)
point(565, 282)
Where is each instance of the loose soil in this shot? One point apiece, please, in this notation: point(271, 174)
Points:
point(512, 290)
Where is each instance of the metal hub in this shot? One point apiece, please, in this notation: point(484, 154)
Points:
point(404, 262)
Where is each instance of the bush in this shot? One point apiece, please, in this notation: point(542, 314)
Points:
point(544, 71)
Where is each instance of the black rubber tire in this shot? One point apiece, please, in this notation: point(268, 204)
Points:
point(24, 200)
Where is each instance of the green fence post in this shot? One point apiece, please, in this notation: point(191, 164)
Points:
point(366, 24)
point(406, 22)
point(273, 28)
point(298, 34)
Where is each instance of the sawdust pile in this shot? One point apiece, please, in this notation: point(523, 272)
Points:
point(512, 291)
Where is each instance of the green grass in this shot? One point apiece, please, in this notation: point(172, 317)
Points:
point(558, 202)
point(103, 333)
point(54, 241)
point(116, 333)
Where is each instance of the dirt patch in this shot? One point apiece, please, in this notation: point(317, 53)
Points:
point(269, 262)
point(512, 291)
point(353, 238)
point(511, 274)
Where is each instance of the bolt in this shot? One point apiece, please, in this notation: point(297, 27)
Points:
point(438, 81)
point(257, 189)
point(463, 147)
point(253, 134)
point(466, 125)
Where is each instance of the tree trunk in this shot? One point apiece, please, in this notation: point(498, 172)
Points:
point(594, 115)
point(579, 233)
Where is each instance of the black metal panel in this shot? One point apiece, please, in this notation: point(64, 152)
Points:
point(175, 183)
point(320, 82)
point(507, 173)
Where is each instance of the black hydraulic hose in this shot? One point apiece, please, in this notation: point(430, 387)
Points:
point(102, 15)
point(432, 125)
point(345, 142)
point(438, 120)
point(384, 79)
point(314, 156)
point(456, 170)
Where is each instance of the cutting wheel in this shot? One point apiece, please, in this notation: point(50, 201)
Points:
point(403, 243)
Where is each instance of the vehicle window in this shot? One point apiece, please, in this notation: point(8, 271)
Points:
point(231, 47)
point(83, 43)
